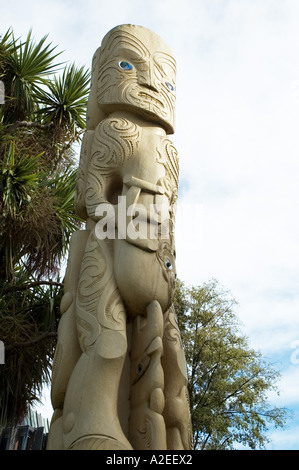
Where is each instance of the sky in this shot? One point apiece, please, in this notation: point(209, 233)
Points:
point(237, 133)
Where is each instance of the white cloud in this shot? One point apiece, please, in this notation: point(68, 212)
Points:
point(284, 440)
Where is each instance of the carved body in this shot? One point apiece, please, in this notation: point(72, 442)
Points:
point(139, 165)
point(119, 380)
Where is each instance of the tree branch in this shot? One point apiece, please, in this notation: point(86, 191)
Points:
point(27, 124)
point(30, 342)
point(31, 284)
point(66, 147)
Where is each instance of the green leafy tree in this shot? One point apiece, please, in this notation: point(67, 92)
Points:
point(228, 381)
point(42, 117)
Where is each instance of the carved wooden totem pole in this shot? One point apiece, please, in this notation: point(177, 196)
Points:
point(119, 375)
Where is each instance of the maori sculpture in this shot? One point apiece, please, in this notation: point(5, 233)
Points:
point(119, 375)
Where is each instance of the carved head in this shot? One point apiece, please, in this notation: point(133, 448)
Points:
point(136, 72)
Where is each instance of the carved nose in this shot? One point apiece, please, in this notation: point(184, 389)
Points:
point(150, 86)
point(147, 77)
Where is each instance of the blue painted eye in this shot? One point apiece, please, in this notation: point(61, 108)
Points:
point(168, 264)
point(169, 86)
point(125, 65)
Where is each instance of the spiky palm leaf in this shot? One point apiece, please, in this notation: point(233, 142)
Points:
point(17, 180)
point(8, 45)
point(26, 67)
point(65, 102)
point(37, 184)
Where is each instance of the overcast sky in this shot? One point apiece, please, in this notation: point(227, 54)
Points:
point(237, 135)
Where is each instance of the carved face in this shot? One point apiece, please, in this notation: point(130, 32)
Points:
point(137, 73)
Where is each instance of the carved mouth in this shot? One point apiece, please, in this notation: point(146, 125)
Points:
point(151, 98)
